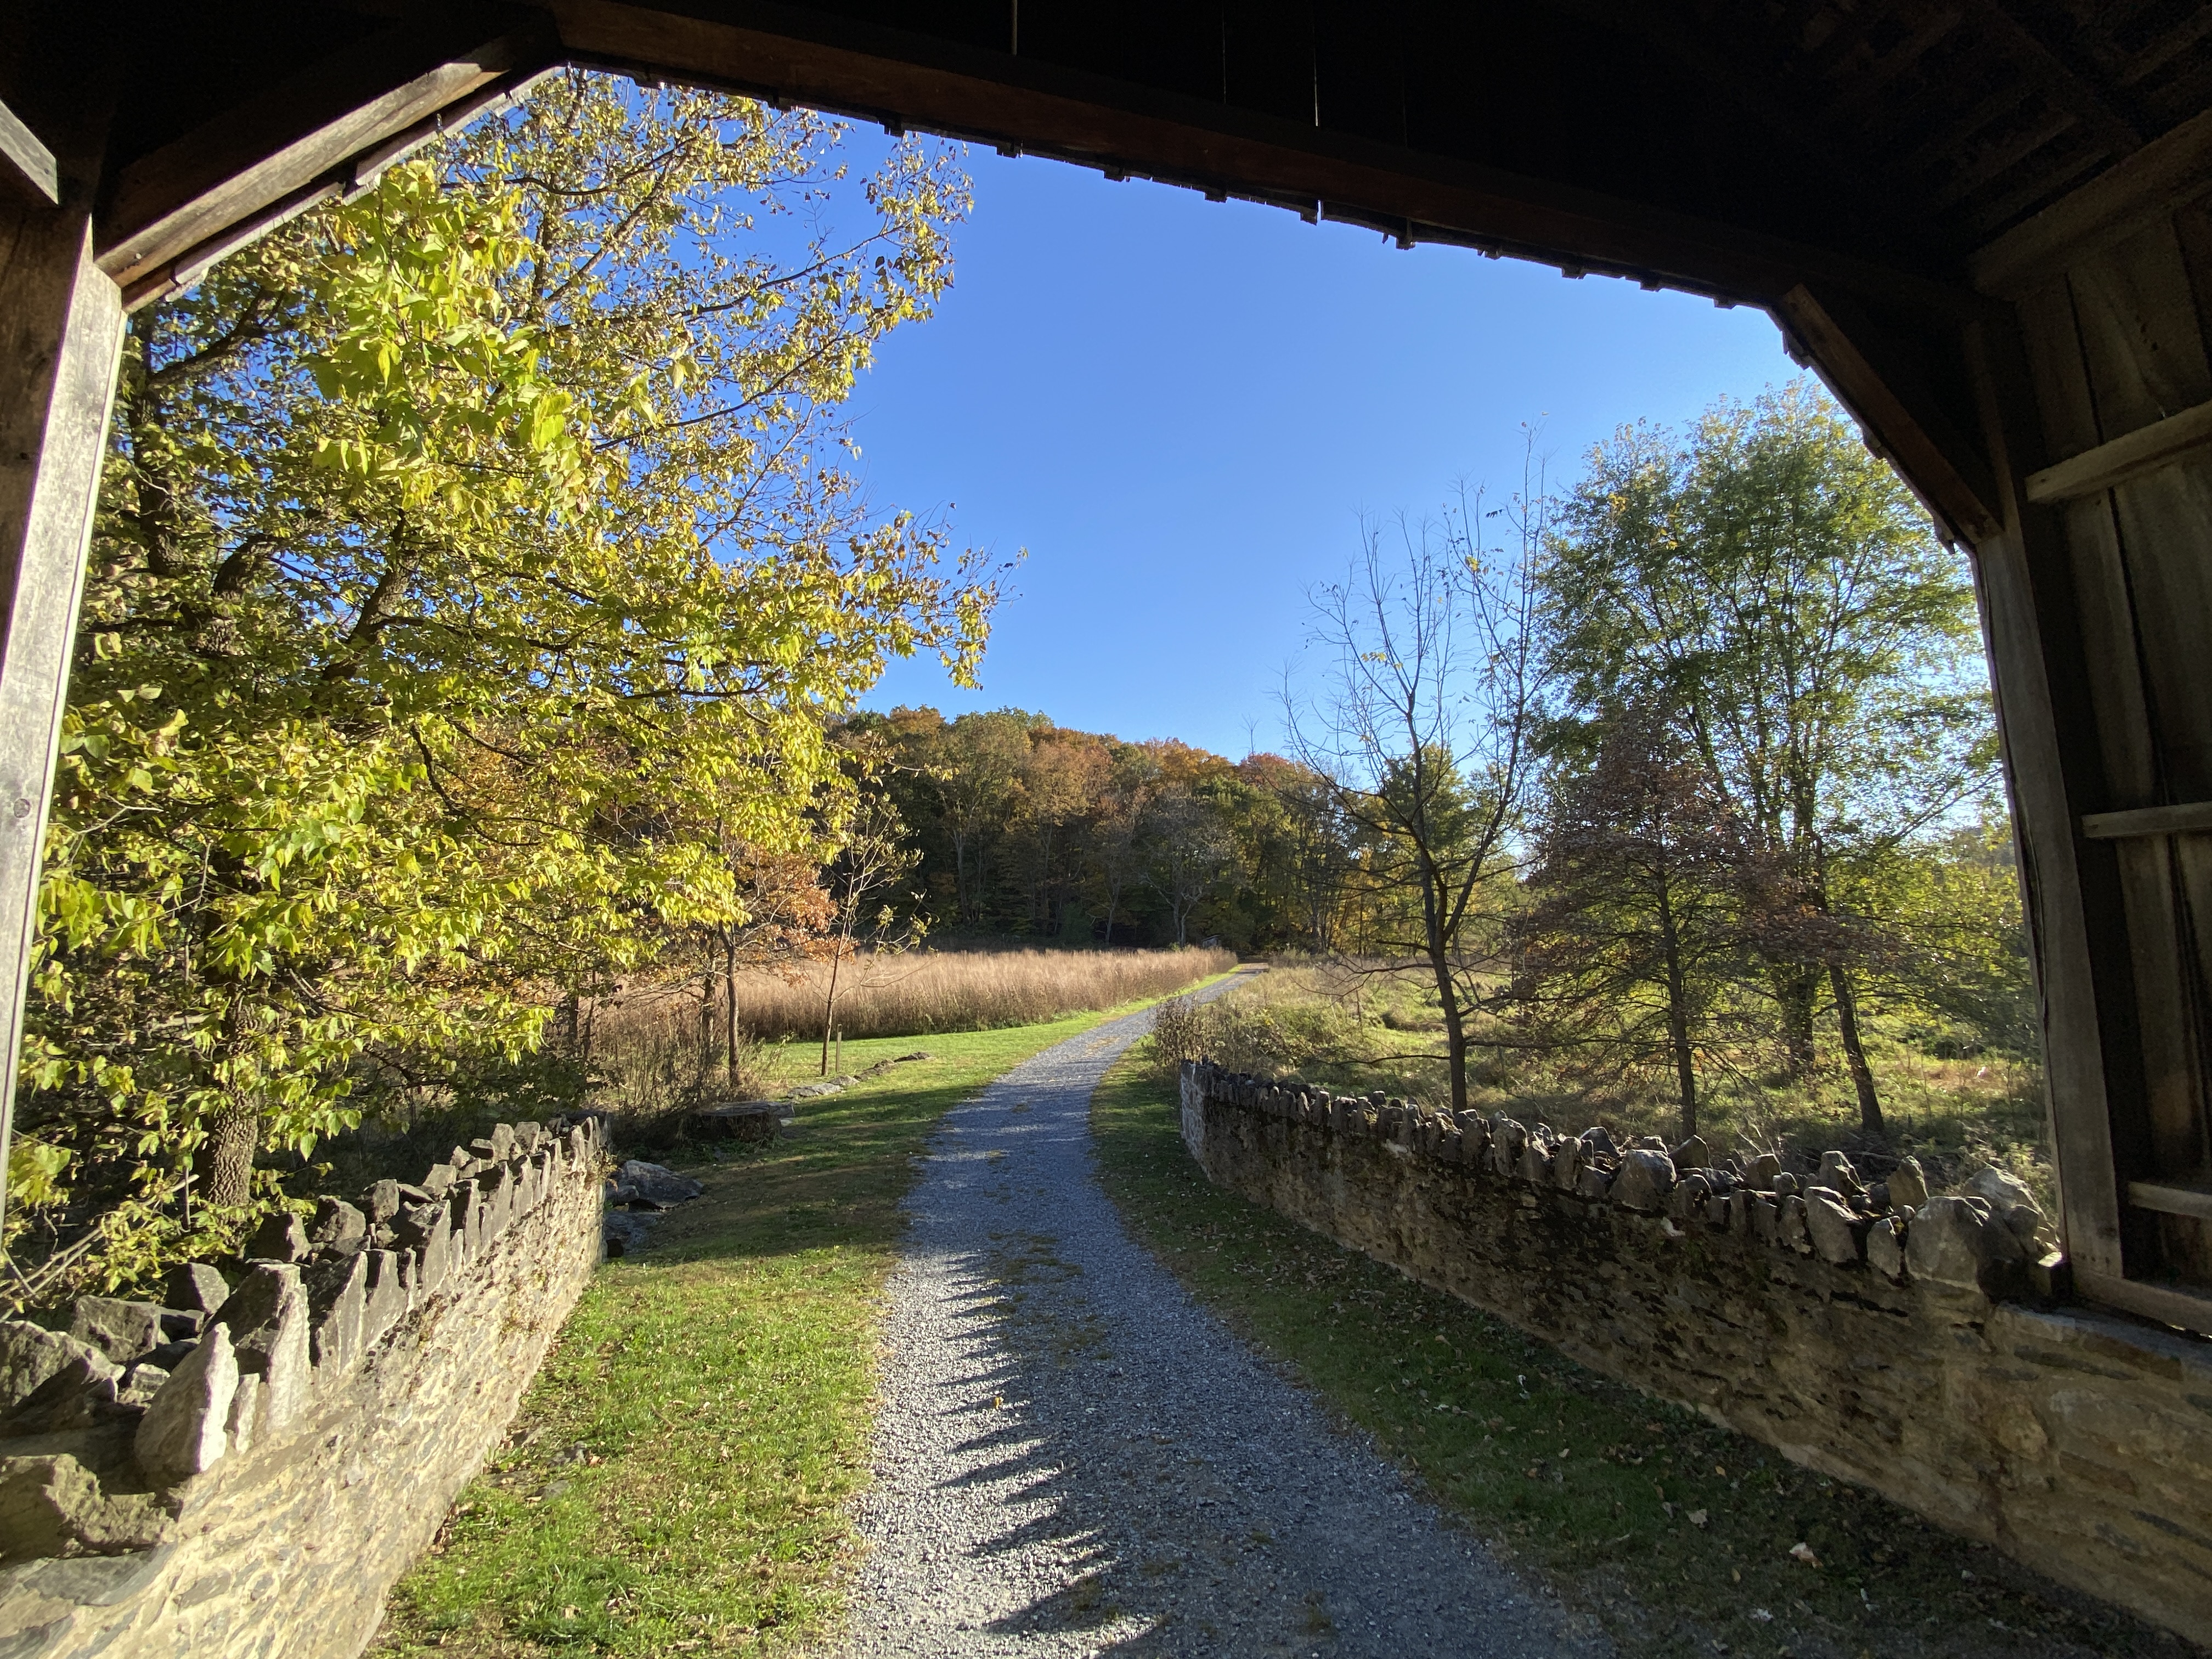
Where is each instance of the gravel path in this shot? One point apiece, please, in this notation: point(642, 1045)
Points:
point(1073, 1457)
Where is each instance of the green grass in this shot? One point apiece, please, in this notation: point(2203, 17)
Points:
point(680, 1475)
point(1672, 1533)
point(1352, 1033)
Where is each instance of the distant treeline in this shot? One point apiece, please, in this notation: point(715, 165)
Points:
point(1032, 831)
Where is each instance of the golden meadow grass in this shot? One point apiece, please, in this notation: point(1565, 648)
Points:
point(919, 994)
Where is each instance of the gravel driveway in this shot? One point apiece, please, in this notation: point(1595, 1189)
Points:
point(1073, 1457)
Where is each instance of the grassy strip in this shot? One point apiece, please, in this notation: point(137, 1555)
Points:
point(1675, 1534)
point(680, 1474)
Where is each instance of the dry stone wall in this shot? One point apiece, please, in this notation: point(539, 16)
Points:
point(1921, 1347)
point(249, 1469)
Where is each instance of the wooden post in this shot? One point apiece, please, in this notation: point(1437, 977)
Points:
point(61, 337)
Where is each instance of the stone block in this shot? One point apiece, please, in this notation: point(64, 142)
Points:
point(426, 1230)
point(381, 1202)
point(1838, 1175)
point(281, 1237)
point(338, 1228)
point(241, 1424)
point(121, 1330)
point(1885, 1248)
point(661, 1187)
point(1908, 1186)
point(1535, 1164)
point(196, 1287)
point(438, 1181)
point(1567, 1165)
point(1507, 1139)
point(1644, 1179)
point(495, 1189)
point(30, 1354)
point(1691, 1154)
point(386, 1301)
point(268, 1319)
point(51, 1504)
point(1760, 1174)
point(80, 1394)
point(1833, 1227)
point(2000, 1188)
point(465, 1237)
point(1951, 1242)
point(1592, 1183)
point(1792, 1230)
point(337, 1297)
point(184, 1431)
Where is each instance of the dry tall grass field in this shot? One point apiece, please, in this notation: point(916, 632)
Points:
point(965, 990)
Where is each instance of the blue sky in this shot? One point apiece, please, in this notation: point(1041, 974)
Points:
point(1181, 409)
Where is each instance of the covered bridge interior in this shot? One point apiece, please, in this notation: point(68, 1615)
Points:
point(1982, 221)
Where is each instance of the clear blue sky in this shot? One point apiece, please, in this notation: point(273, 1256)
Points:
point(1181, 409)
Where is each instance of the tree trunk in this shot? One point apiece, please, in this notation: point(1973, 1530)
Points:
point(1678, 1018)
point(1455, 1032)
point(226, 1161)
point(1847, 1020)
point(1795, 987)
point(730, 1024)
point(829, 1006)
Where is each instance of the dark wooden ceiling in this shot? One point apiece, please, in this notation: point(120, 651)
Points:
point(1902, 134)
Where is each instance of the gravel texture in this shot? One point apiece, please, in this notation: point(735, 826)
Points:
point(1073, 1457)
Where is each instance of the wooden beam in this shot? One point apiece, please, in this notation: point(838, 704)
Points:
point(2171, 1198)
point(2169, 1304)
point(2171, 169)
point(2081, 98)
point(2053, 770)
point(231, 172)
point(33, 163)
point(353, 172)
point(2144, 450)
point(2148, 821)
point(922, 83)
point(1950, 472)
point(61, 338)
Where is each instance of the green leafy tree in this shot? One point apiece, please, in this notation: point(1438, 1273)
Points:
point(1423, 732)
point(473, 571)
point(1642, 904)
point(1773, 588)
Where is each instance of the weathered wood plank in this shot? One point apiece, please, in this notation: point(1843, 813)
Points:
point(2173, 1073)
point(2144, 187)
point(2144, 450)
point(61, 337)
point(205, 184)
point(33, 163)
point(2168, 1303)
point(2047, 725)
point(2127, 757)
point(2165, 524)
point(2189, 818)
point(2137, 320)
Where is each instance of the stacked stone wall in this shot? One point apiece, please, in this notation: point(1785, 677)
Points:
point(1920, 1346)
point(258, 1487)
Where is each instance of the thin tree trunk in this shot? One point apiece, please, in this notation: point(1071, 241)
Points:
point(1795, 988)
point(730, 1025)
point(1678, 1018)
point(829, 1007)
point(226, 1159)
point(1847, 1021)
